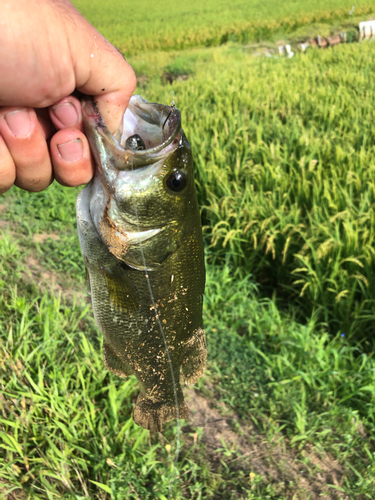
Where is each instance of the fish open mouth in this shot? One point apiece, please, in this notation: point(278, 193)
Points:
point(148, 132)
point(157, 125)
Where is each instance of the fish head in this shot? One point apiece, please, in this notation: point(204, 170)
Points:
point(143, 201)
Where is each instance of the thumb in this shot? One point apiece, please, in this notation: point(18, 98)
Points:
point(100, 70)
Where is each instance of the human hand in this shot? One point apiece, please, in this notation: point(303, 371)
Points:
point(47, 50)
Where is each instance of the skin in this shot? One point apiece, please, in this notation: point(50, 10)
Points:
point(48, 50)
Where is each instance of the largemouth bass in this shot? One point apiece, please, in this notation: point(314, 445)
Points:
point(141, 240)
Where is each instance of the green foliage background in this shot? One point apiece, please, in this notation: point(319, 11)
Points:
point(146, 25)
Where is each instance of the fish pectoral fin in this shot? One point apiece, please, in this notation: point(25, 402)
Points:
point(121, 291)
point(88, 281)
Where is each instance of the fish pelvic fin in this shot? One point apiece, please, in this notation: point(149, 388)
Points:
point(195, 357)
point(114, 364)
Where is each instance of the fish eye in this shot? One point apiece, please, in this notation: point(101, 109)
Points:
point(135, 143)
point(177, 181)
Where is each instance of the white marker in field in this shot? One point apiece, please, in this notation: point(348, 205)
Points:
point(289, 50)
point(366, 29)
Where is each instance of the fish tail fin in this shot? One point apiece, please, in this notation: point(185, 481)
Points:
point(152, 416)
point(151, 413)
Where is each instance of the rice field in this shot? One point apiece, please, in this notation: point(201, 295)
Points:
point(135, 27)
point(284, 154)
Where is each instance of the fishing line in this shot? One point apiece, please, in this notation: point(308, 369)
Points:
point(172, 106)
point(157, 316)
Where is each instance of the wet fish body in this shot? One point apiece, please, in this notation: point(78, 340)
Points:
point(141, 239)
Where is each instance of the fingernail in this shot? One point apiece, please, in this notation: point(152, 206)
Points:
point(19, 122)
point(66, 113)
point(71, 150)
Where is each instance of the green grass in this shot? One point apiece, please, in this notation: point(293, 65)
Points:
point(165, 25)
point(292, 378)
point(65, 422)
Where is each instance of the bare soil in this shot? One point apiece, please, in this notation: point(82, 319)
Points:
point(277, 463)
point(46, 279)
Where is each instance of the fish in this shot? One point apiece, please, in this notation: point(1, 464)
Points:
point(141, 239)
